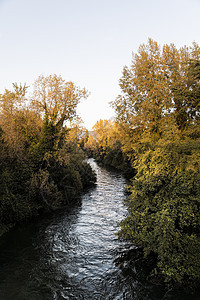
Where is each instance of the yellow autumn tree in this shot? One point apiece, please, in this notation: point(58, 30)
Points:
point(158, 113)
point(41, 166)
point(154, 94)
point(21, 126)
point(56, 99)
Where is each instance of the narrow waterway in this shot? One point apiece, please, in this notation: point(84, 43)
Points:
point(72, 253)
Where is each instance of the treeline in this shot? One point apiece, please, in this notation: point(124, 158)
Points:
point(104, 144)
point(42, 166)
point(158, 120)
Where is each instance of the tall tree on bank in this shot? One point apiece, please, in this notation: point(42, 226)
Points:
point(158, 113)
point(40, 167)
point(56, 100)
point(155, 92)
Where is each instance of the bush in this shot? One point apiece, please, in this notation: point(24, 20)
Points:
point(164, 209)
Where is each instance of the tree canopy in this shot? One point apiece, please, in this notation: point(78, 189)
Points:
point(41, 164)
point(56, 99)
point(160, 87)
point(158, 113)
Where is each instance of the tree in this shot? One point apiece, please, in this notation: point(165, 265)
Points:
point(56, 99)
point(158, 114)
point(155, 91)
point(41, 165)
point(164, 209)
point(105, 145)
point(21, 126)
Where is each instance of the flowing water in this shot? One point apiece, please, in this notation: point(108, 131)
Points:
point(72, 253)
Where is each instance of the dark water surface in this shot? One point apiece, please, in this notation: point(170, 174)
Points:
point(72, 253)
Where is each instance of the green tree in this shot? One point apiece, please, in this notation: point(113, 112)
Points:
point(158, 114)
point(164, 209)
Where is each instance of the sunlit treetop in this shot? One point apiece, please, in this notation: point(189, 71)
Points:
point(56, 99)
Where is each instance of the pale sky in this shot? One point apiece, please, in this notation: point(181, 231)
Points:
point(87, 41)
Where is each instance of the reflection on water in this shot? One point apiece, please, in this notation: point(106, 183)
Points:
point(71, 254)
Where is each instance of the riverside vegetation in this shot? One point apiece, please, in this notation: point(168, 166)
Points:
point(155, 140)
point(42, 167)
point(157, 131)
point(104, 144)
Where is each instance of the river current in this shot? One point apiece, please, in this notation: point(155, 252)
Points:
point(72, 253)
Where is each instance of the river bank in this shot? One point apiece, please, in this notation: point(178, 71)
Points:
point(74, 253)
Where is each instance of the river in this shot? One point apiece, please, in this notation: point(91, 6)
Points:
point(72, 253)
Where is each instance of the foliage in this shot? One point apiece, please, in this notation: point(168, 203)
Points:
point(158, 115)
point(56, 99)
point(164, 208)
point(106, 147)
point(161, 86)
point(41, 164)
